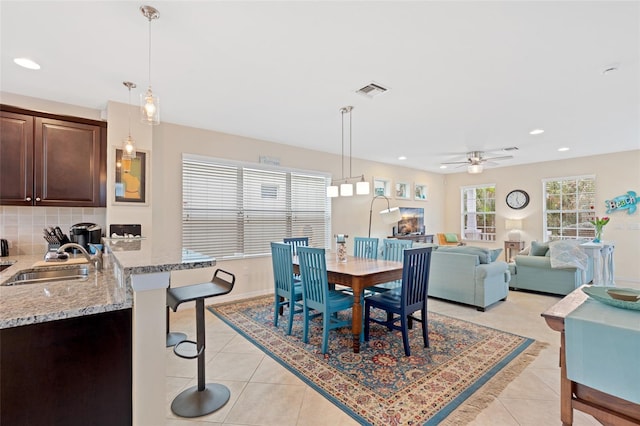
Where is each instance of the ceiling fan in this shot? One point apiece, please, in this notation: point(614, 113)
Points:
point(476, 160)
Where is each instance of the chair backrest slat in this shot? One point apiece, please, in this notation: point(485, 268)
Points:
point(394, 249)
point(365, 247)
point(313, 271)
point(296, 242)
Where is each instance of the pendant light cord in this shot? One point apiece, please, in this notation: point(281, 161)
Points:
point(149, 51)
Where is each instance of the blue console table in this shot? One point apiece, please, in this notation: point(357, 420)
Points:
point(608, 409)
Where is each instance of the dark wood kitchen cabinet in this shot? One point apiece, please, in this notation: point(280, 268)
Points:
point(69, 372)
point(51, 160)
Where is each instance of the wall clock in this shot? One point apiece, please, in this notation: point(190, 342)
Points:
point(517, 199)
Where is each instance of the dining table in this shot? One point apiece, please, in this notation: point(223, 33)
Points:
point(358, 273)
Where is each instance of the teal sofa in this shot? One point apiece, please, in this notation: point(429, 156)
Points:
point(469, 275)
point(533, 272)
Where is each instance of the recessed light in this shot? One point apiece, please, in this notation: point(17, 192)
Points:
point(536, 132)
point(402, 157)
point(443, 167)
point(27, 63)
point(563, 149)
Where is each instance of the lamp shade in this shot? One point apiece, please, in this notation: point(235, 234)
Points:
point(332, 191)
point(346, 190)
point(391, 215)
point(474, 168)
point(362, 188)
point(513, 224)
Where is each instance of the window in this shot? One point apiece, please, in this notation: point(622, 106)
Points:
point(235, 210)
point(569, 206)
point(478, 221)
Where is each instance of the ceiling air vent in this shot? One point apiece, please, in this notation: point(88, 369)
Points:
point(511, 148)
point(371, 90)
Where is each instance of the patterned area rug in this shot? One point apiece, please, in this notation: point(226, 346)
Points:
point(380, 385)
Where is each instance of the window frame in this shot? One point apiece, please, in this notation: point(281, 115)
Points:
point(586, 231)
point(483, 235)
point(245, 209)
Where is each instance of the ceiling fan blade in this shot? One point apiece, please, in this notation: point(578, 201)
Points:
point(504, 157)
point(456, 162)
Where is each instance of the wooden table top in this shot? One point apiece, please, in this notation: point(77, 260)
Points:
point(556, 314)
point(358, 266)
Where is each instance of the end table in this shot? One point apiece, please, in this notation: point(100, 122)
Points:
point(509, 246)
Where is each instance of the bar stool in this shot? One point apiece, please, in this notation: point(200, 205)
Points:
point(203, 398)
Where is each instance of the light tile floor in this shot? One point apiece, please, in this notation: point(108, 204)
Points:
point(265, 393)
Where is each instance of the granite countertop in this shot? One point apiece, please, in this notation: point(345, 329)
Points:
point(41, 302)
point(104, 291)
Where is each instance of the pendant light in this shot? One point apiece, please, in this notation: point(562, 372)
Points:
point(346, 188)
point(128, 146)
point(149, 104)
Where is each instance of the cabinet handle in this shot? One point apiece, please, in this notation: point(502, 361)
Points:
point(28, 199)
point(38, 199)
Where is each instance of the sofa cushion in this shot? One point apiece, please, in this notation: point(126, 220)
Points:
point(451, 238)
point(538, 249)
point(495, 253)
point(484, 254)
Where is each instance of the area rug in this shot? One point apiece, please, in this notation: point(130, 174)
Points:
point(380, 385)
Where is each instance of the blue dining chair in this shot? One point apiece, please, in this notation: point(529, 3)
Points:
point(317, 296)
point(296, 242)
point(288, 291)
point(365, 247)
point(400, 303)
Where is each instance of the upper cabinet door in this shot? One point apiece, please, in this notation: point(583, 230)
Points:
point(16, 159)
point(67, 163)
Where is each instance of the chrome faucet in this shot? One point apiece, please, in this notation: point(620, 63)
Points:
point(96, 259)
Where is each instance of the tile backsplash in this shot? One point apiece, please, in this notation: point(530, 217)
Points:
point(23, 226)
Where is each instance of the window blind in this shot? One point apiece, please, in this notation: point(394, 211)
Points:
point(236, 210)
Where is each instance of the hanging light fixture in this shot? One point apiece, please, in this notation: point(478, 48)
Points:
point(129, 145)
point(150, 104)
point(346, 188)
point(474, 168)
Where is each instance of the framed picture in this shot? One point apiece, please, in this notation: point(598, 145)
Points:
point(131, 178)
point(381, 186)
point(403, 191)
point(420, 192)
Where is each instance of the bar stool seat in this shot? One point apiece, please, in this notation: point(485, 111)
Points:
point(204, 398)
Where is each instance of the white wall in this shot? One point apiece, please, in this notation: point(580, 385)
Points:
point(615, 175)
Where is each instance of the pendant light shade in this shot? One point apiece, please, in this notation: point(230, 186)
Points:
point(129, 145)
point(149, 103)
point(346, 190)
point(362, 187)
point(332, 191)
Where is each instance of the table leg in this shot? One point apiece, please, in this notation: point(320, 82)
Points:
point(566, 392)
point(356, 318)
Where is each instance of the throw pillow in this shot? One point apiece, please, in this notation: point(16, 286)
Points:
point(494, 254)
point(451, 238)
point(538, 249)
point(525, 251)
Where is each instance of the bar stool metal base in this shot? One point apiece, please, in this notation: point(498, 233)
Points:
point(195, 403)
point(174, 338)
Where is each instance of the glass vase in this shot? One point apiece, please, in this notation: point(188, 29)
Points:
point(598, 237)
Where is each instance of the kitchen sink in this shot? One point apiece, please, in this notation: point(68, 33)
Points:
point(31, 276)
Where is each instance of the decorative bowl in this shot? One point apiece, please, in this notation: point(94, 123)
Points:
point(624, 294)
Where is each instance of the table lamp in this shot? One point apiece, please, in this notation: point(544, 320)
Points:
point(514, 226)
